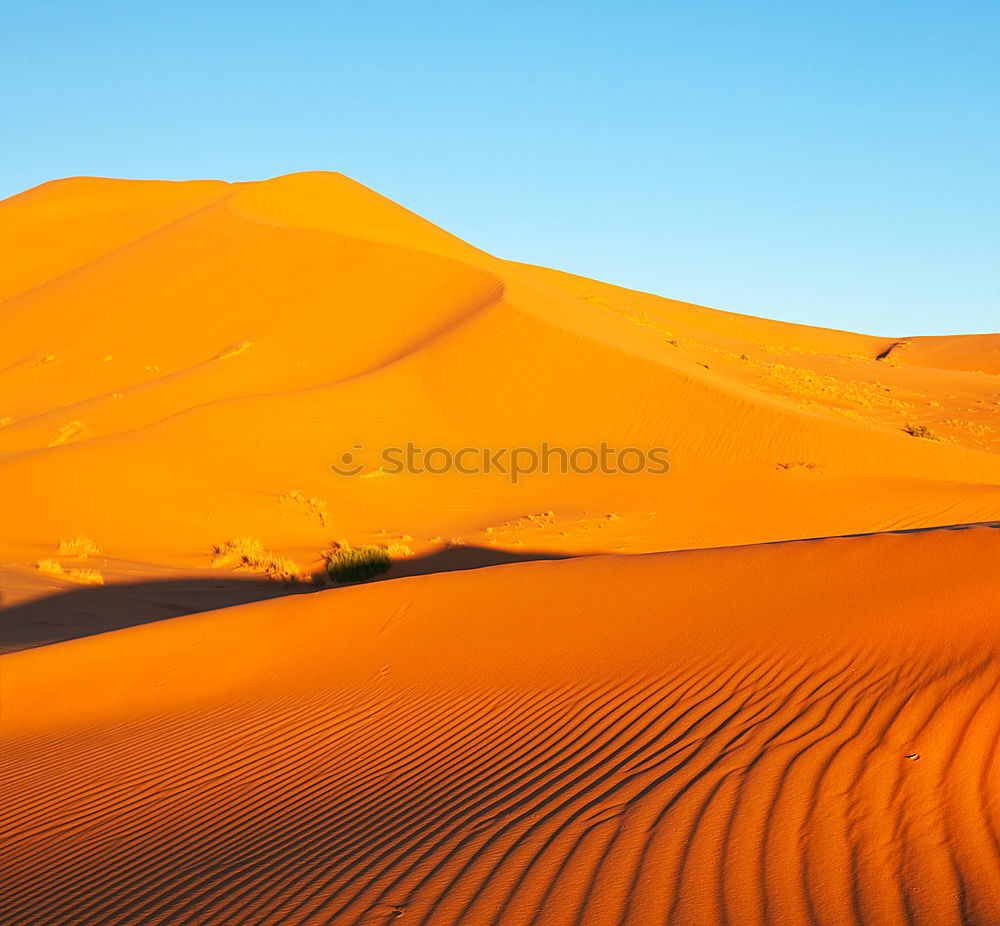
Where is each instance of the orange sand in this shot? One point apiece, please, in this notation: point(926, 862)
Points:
point(197, 350)
point(704, 737)
point(712, 736)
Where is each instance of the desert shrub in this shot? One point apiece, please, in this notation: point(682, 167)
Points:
point(920, 430)
point(356, 564)
point(51, 566)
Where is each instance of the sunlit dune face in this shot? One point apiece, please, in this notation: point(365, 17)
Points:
point(179, 357)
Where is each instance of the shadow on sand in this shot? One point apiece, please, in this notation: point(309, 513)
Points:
point(88, 610)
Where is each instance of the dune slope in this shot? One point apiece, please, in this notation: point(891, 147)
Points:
point(179, 360)
point(796, 733)
point(750, 724)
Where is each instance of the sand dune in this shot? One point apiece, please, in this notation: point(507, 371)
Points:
point(788, 733)
point(972, 353)
point(750, 724)
point(214, 347)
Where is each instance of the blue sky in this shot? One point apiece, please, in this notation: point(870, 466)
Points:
point(833, 163)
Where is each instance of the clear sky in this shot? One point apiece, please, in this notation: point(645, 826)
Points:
point(834, 163)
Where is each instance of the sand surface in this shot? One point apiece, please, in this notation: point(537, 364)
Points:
point(786, 733)
point(786, 713)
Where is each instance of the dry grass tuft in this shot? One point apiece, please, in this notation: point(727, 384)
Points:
point(281, 569)
point(84, 576)
point(53, 567)
point(307, 503)
point(239, 551)
point(233, 351)
point(67, 432)
point(248, 553)
point(79, 547)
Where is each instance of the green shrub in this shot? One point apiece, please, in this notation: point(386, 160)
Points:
point(356, 564)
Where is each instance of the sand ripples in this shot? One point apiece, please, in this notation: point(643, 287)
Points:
point(753, 790)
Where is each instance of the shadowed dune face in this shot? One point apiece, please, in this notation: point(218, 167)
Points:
point(791, 733)
point(36, 620)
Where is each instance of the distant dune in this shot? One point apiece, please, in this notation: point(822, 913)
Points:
point(753, 724)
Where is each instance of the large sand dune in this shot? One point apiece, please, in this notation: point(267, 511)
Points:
point(177, 357)
point(788, 734)
point(751, 724)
